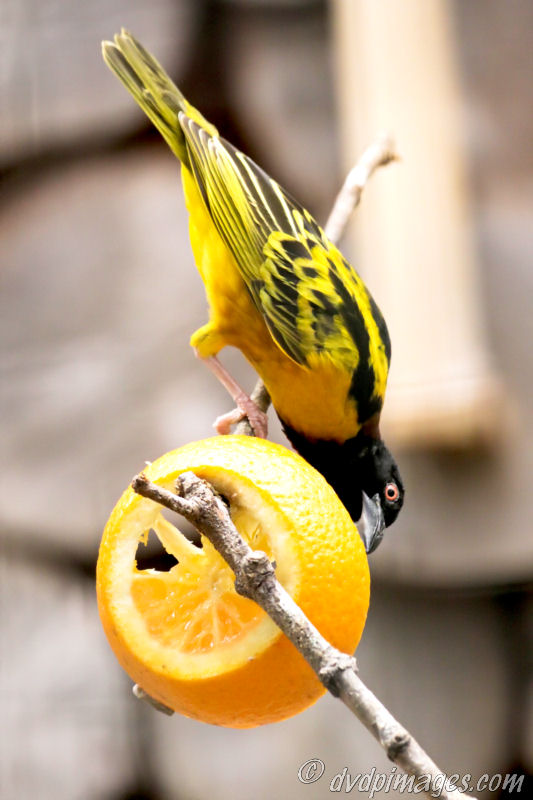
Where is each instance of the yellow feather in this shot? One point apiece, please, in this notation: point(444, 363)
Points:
point(277, 288)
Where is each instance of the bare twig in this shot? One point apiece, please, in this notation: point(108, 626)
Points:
point(255, 578)
point(378, 154)
point(140, 694)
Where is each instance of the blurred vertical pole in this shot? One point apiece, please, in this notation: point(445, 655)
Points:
point(396, 72)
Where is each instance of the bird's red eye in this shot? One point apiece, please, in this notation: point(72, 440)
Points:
point(392, 492)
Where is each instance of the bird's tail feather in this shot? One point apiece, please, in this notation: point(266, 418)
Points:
point(154, 91)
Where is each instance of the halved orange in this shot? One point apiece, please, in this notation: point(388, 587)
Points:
point(184, 635)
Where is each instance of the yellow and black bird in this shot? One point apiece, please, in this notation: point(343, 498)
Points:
point(283, 294)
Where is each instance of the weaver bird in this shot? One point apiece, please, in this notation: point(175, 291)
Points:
point(281, 292)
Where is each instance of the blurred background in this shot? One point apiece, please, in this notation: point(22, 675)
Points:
point(100, 294)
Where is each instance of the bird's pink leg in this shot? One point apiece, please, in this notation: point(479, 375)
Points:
point(245, 405)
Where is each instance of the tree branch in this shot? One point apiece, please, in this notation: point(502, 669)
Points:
point(376, 155)
point(255, 578)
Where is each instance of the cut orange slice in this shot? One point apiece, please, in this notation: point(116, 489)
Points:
point(185, 636)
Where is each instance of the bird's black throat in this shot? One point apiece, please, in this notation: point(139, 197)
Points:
point(360, 464)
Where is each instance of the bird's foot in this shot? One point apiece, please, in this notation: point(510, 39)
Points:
point(245, 408)
point(245, 405)
point(223, 423)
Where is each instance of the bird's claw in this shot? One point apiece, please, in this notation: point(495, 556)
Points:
point(247, 408)
point(223, 423)
point(258, 422)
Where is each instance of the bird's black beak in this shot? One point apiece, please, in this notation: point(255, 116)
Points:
point(371, 524)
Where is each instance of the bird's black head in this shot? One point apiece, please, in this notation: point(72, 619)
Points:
point(379, 476)
point(364, 475)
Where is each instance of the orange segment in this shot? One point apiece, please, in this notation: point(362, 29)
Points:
point(193, 606)
point(185, 635)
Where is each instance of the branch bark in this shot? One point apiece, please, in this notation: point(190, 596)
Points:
point(255, 578)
